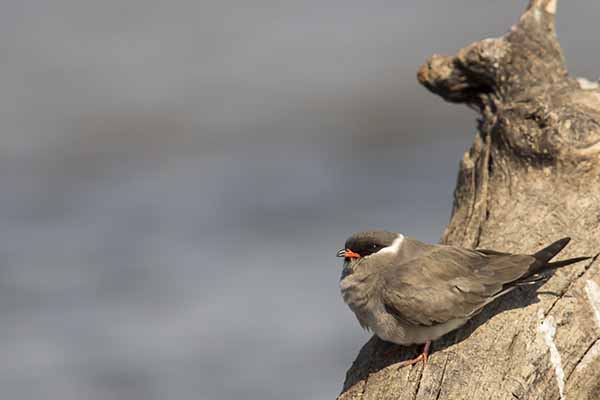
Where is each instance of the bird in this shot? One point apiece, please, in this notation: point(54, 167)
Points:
point(409, 292)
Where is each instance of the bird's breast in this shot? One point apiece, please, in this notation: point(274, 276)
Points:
point(355, 291)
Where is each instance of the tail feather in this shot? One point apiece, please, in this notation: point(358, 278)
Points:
point(548, 252)
point(562, 263)
point(544, 271)
point(541, 269)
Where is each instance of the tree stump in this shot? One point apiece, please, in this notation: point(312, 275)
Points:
point(531, 176)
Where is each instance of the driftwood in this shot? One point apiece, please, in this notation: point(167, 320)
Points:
point(531, 176)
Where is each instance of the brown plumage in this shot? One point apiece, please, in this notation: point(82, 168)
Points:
point(409, 292)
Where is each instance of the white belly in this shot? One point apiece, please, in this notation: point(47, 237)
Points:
point(390, 329)
point(422, 334)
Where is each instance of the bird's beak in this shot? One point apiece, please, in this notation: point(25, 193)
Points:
point(347, 253)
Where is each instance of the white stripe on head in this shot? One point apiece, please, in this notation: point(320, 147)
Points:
point(395, 246)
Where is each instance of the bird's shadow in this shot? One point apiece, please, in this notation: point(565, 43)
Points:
point(377, 354)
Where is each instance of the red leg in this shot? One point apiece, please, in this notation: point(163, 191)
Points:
point(423, 356)
point(426, 351)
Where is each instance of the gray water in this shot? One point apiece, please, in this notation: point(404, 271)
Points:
point(177, 177)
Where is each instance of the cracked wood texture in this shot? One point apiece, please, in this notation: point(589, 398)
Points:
point(531, 176)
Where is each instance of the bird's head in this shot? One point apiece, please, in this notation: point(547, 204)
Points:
point(364, 244)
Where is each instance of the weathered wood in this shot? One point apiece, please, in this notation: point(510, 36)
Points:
point(531, 176)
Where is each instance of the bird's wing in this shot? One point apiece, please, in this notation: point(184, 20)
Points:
point(448, 282)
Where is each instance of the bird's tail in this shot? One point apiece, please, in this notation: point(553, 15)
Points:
point(539, 270)
point(548, 252)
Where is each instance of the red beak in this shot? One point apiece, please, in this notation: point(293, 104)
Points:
point(347, 253)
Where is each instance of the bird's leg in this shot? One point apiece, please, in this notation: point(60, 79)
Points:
point(426, 351)
point(423, 356)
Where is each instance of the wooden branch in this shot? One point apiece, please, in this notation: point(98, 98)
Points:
point(531, 176)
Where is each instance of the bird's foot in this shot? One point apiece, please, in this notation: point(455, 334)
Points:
point(414, 361)
point(422, 357)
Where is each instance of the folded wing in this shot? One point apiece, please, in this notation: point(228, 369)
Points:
point(447, 282)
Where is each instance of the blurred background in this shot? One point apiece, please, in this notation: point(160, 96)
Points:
point(177, 177)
